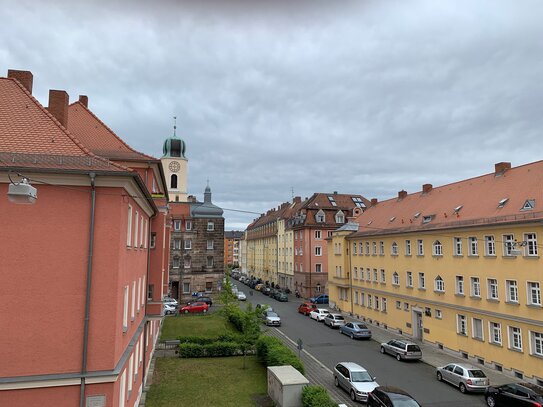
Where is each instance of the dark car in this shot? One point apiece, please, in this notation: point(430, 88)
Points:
point(281, 296)
point(514, 394)
point(207, 300)
point(265, 290)
point(320, 299)
point(388, 396)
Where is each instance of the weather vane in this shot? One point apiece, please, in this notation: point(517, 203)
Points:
point(174, 125)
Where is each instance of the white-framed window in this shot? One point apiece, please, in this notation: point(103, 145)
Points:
point(384, 304)
point(125, 309)
point(534, 293)
point(536, 342)
point(374, 248)
point(143, 292)
point(475, 286)
point(457, 242)
point(477, 329)
point(136, 223)
point(376, 302)
point(361, 248)
point(420, 247)
point(395, 278)
point(473, 250)
point(362, 299)
point(368, 275)
point(320, 216)
point(515, 338)
point(383, 276)
point(177, 244)
point(355, 273)
point(531, 244)
point(355, 251)
point(129, 227)
point(439, 284)
point(209, 261)
point(122, 389)
point(340, 217)
point(375, 276)
point(459, 285)
point(370, 301)
point(177, 225)
point(210, 244)
point(439, 314)
point(511, 293)
point(146, 234)
point(398, 305)
point(186, 288)
point(437, 248)
point(138, 296)
point(136, 355)
point(422, 281)
point(152, 243)
point(175, 262)
point(188, 244)
point(394, 249)
point(492, 284)
point(130, 375)
point(318, 268)
point(367, 248)
point(318, 236)
point(133, 302)
point(356, 297)
point(318, 251)
point(409, 279)
point(508, 244)
point(406, 306)
point(495, 332)
point(210, 226)
point(141, 231)
point(408, 247)
point(188, 224)
point(490, 246)
point(382, 248)
point(461, 325)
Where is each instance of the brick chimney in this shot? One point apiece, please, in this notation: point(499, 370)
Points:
point(402, 194)
point(84, 100)
point(500, 168)
point(297, 200)
point(374, 201)
point(58, 106)
point(24, 77)
point(426, 188)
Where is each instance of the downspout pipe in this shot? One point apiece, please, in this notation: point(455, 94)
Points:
point(84, 355)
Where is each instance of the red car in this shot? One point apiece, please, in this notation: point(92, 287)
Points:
point(306, 308)
point(195, 307)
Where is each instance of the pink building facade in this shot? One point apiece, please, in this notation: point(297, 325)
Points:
point(83, 268)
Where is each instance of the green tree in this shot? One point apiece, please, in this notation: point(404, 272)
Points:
point(250, 322)
point(228, 298)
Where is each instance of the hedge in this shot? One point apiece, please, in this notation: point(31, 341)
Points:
point(316, 396)
point(272, 352)
point(216, 349)
point(225, 337)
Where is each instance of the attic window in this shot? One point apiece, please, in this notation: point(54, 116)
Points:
point(502, 203)
point(416, 215)
point(458, 208)
point(392, 219)
point(427, 219)
point(358, 202)
point(528, 205)
point(332, 200)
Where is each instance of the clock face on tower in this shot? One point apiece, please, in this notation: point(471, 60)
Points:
point(174, 166)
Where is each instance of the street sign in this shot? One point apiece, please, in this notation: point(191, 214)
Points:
point(300, 346)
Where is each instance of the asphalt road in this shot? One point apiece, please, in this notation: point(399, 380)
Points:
point(330, 347)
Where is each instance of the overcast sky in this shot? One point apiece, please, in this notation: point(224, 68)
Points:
point(275, 99)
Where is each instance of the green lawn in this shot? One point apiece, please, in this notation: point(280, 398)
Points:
point(195, 325)
point(206, 382)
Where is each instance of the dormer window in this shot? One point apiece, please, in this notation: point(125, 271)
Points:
point(320, 217)
point(502, 203)
point(340, 217)
point(427, 218)
point(528, 205)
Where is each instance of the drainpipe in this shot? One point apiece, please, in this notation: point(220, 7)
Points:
point(145, 339)
point(84, 355)
point(350, 274)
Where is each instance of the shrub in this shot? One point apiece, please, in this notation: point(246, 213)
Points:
point(202, 340)
point(191, 350)
point(316, 396)
point(215, 349)
point(272, 352)
point(236, 319)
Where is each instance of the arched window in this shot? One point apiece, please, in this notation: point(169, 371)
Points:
point(394, 249)
point(173, 181)
point(439, 284)
point(395, 278)
point(438, 248)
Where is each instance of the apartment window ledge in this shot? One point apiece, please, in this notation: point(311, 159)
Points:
point(459, 295)
point(462, 334)
point(394, 255)
point(395, 285)
point(490, 256)
point(516, 350)
point(531, 257)
point(494, 300)
point(125, 329)
point(536, 306)
point(499, 345)
point(439, 291)
point(422, 289)
point(458, 255)
point(478, 339)
point(420, 255)
point(409, 286)
point(132, 319)
point(473, 256)
point(508, 256)
point(475, 297)
point(437, 256)
point(535, 355)
point(408, 255)
point(512, 302)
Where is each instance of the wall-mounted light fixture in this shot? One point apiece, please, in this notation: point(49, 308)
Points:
point(22, 192)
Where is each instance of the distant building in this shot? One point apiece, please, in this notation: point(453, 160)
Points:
point(232, 247)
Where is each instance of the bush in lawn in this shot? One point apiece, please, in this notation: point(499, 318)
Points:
point(272, 352)
point(225, 337)
point(316, 396)
point(215, 349)
point(263, 344)
point(236, 319)
point(191, 350)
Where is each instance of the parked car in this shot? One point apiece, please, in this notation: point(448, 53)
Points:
point(266, 290)
point(318, 314)
point(306, 308)
point(320, 299)
point(281, 296)
point(272, 318)
point(402, 350)
point(259, 287)
point(241, 296)
point(389, 396)
point(355, 380)
point(170, 300)
point(207, 300)
point(514, 394)
point(263, 308)
point(194, 307)
point(334, 320)
point(355, 330)
point(170, 309)
point(463, 375)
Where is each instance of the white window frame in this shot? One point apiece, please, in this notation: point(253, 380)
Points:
point(125, 308)
point(141, 231)
point(495, 333)
point(459, 285)
point(130, 375)
point(439, 284)
point(394, 249)
point(475, 287)
point(188, 224)
point(129, 227)
point(146, 234)
point(138, 296)
point(383, 276)
point(318, 235)
point(530, 250)
point(457, 242)
point(420, 247)
point(318, 251)
point(395, 278)
point(461, 325)
point(473, 246)
point(408, 247)
point(490, 245)
point(533, 291)
point(176, 225)
point(122, 389)
point(188, 244)
point(136, 224)
point(422, 281)
point(477, 327)
point(177, 244)
point(210, 226)
point(511, 291)
point(409, 279)
point(381, 248)
point(133, 302)
point(515, 338)
point(493, 289)
point(210, 244)
point(437, 248)
point(374, 248)
point(536, 343)
point(508, 244)
point(318, 268)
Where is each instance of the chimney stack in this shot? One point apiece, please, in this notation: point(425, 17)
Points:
point(426, 188)
point(374, 201)
point(58, 106)
point(402, 194)
point(84, 100)
point(500, 168)
point(25, 78)
point(297, 200)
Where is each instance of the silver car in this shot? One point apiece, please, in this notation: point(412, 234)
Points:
point(334, 320)
point(463, 375)
point(401, 349)
point(355, 380)
point(272, 319)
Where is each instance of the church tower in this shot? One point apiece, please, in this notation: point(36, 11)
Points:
point(175, 167)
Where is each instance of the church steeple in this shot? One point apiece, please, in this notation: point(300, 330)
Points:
point(175, 166)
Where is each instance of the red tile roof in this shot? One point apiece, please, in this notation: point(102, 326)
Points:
point(98, 137)
point(30, 137)
point(477, 200)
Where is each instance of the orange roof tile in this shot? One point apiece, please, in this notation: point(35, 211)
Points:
point(98, 137)
point(476, 200)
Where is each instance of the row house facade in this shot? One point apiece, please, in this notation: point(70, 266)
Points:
point(457, 266)
point(232, 247)
point(80, 254)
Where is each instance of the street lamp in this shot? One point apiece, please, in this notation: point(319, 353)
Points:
point(21, 192)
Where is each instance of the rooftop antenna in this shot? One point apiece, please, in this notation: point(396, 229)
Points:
point(292, 192)
point(174, 126)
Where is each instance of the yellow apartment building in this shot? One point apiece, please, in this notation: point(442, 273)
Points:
point(457, 266)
